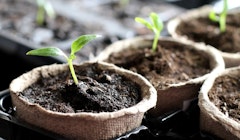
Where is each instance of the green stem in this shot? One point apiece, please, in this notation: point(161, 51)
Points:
point(225, 8)
point(222, 20)
point(72, 71)
point(155, 41)
point(40, 15)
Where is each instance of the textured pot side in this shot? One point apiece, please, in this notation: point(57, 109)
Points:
point(212, 120)
point(231, 59)
point(84, 125)
point(172, 97)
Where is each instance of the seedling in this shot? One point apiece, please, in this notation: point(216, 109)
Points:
point(75, 47)
point(44, 6)
point(156, 26)
point(221, 18)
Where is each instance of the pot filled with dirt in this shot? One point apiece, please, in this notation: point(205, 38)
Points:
point(176, 69)
point(91, 100)
point(107, 102)
point(196, 26)
point(219, 104)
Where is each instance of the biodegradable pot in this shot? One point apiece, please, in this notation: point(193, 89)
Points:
point(172, 96)
point(221, 89)
point(81, 125)
point(201, 35)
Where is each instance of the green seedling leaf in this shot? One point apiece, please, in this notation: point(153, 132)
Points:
point(49, 10)
point(212, 16)
point(81, 41)
point(75, 47)
point(221, 19)
point(156, 26)
point(44, 6)
point(144, 22)
point(47, 51)
point(155, 20)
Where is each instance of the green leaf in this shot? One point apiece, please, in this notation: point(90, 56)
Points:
point(144, 22)
point(154, 19)
point(81, 41)
point(221, 19)
point(49, 9)
point(46, 51)
point(212, 16)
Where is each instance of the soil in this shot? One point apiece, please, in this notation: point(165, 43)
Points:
point(97, 91)
point(225, 95)
point(204, 30)
point(113, 21)
point(170, 64)
point(18, 19)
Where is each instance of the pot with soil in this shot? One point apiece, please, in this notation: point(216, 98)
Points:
point(196, 26)
point(100, 101)
point(108, 101)
point(176, 69)
point(219, 104)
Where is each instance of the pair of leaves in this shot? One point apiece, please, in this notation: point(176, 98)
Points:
point(75, 47)
point(44, 6)
point(221, 19)
point(156, 25)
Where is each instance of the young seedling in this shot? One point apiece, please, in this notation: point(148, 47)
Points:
point(156, 26)
point(221, 18)
point(75, 47)
point(44, 6)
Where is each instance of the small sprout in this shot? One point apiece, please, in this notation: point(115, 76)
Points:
point(75, 47)
point(221, 19)
point(156, 26)
point(44, 6)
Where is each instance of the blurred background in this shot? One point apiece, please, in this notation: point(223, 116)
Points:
point(113, 19)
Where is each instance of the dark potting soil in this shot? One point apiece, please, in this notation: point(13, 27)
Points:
point(170, 64)
point(19, 18)
point(204, 30)
point(97, 91)
point(225, 95)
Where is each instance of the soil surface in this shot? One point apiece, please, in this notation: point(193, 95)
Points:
point(97, 91)
point(225, 95)
point(113, 20)
point(18, 19)
point(204, 30)
point(171, 63)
